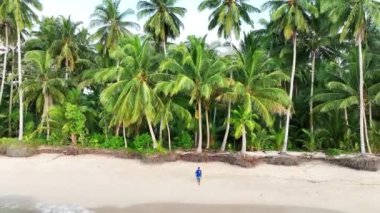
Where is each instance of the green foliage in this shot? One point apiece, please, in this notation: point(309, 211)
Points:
point(334, 152)
point(102, 141)
point(142, 142)
point(75, 124)
point(184, 141)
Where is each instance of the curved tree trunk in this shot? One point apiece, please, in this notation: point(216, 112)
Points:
point(312, 92)
point(288, 114)
point(224, 143)
point(244, 141)
point(152, 133)
point(199, 149)
point(164, 47)
point(20, 90)
point(169, 137)
point(161, 130)
point(4, 64)
point(361, 95)
point(208, 129)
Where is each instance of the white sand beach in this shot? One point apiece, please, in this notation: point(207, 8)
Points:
point(93, 181)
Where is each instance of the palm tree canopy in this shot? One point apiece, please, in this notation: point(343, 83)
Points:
point(228, 15)
point(111, 23)
point(354, 14)
point(164, 21)
point(291, 16)
point(23, 11)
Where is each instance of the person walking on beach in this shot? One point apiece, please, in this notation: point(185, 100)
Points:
point(198, 175)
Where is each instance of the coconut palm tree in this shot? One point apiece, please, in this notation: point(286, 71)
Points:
point(291, 18)
point(66, 46)
point(43, 86)
point(227, 16)
point(243, 121)
point(24, 14)
point(111, 24)
point(352, 17)
point(131, 99)
point(163, 21)
point(197, 74)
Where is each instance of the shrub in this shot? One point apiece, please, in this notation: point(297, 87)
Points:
point(142, 142)
point(185, 141)
point(334, 152)
point(114, 142)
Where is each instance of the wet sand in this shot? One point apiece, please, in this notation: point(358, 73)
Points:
point(93, 182)
point(191, 208)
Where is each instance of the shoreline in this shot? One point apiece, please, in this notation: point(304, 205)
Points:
point(251, 159)
point(93, 181)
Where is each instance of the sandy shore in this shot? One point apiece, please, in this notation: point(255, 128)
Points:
point(95, 182)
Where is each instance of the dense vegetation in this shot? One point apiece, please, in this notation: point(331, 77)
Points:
point(309, 80)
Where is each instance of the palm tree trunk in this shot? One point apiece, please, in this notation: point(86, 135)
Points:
point(161, 130)
point(152, 133)
point(346, 116)
point(223, 147)
point(361, 94)
point(199, 149)
point(169, 137)
point(125, 137)
point(4, 64)
point(214, 119)
point(366, 135)
point(370, 116)
point(164, 46)
point(208, 129)
point(11, 95)
point(44, 115)
point(67, 69)
point(20, 90)
point(286, 138)
point(312, 93)
point(244, 141)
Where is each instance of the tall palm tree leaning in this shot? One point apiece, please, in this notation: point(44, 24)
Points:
point(227, 16)
point(291, 17)
point(354, 16)
point(111, 23)
point(163, 22)
point(24, 14)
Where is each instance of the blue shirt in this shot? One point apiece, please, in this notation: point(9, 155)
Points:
point(198, 173)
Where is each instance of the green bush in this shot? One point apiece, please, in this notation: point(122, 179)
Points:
point(185, 141)
point(142, 142)
point(101, 141)
point(334, 152)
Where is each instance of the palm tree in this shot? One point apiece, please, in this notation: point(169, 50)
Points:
point(5, 23)
point(43, 87)
point(320, 45)
point(111, 23)
point(197, 73)
point(66, 47)
point(353, 16)
point(131, 98)
point(168, 110)
point(228, 16)
point(243, 121)
point(163, 21)
point(291, 17)
point(24, 14)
